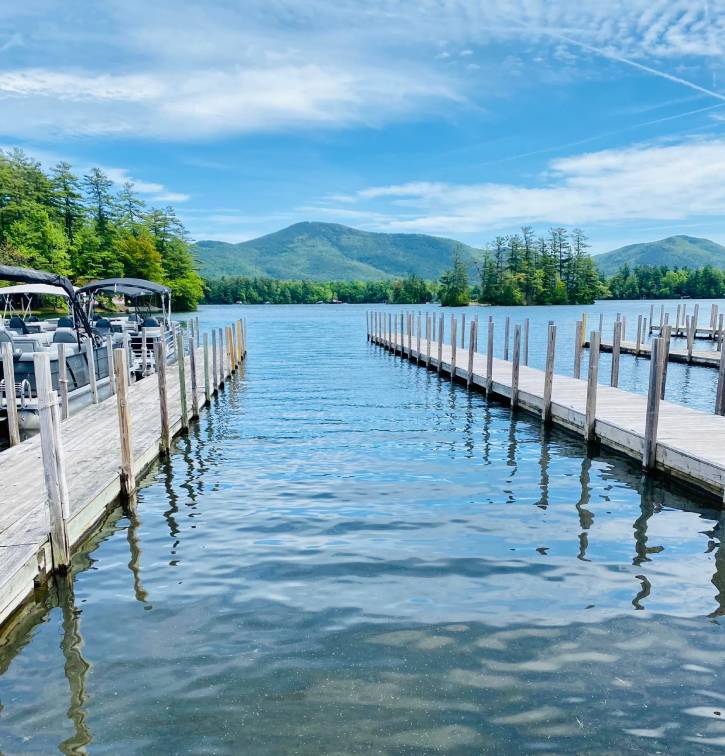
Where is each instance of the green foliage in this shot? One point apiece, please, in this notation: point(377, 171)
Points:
point(228, 290)
point(454, 290)
point(660, 282)
point(332, 252)
point(82, 228)
point(520, 270)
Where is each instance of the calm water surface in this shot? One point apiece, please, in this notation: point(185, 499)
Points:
point(349, 555)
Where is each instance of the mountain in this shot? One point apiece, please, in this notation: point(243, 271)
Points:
point(329, 251)
point(674, 252)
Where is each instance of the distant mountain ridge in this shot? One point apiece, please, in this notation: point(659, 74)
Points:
point(674, 252)
point(330, 251)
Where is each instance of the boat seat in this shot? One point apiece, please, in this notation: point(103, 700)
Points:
point(18, 324)
point(64, 337)
point(65, 322)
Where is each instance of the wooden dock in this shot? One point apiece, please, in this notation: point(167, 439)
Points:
point(92, 447)
point(686, 444)
point(703, 359)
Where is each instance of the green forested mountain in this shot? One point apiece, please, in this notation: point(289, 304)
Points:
point(672, 252)
point(86, 228)
point(331, 252)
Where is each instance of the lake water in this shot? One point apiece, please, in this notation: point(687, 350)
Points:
point(348, 554)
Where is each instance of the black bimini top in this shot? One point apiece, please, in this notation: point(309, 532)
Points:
point(129, 287)
point(30, 276)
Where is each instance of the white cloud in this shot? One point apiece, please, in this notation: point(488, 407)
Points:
point(643, 182)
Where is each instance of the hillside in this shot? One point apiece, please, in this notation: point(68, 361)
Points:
point(674, 252)
point(329, 251)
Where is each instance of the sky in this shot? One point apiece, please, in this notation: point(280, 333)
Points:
point(450, 117)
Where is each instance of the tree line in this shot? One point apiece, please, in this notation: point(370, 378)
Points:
point(86, 228)
point(661, 282)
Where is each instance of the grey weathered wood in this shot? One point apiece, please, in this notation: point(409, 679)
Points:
point(194, 384)
point(616, 352)
point(144, 353)
point(441, 327)
point(719, 332)
point(207, 381)
point(651, 317)
point(91, 362)
point(592, 384)
point(214, 362)
point(666, 334)
point(471, 350)
point(463, 330)
point(10, 403)
point(690, 336)
point(649, 453)
point(695, 319)
point(109, 360)
point(429, 320)
point(128, 476)
point(182, 379)
point(49, 454)
point(677, 318)
point(63, 381)
point(662, 315)
point(507, 327)
point(515, 367)
point(526, 342)
point(160, 359)
point(638, 343)
point(713, 320)
point(417, 341)
point(454, 332)
point(489, 357)
point(601, 322)
point(578, 349)
point(623, 335)
point(395, 334)
point(720, 395)
point(549, 372)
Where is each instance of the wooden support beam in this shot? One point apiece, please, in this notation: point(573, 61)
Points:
point(719, 332)
point(649, 453)
point(11, 406)
point(690, 336)
point(515, 367)
point(417, 342)
point(160, 360)
point(128, 477)
point(651, 317)
point(549, 372)
point(616, 352)
point(592, 383)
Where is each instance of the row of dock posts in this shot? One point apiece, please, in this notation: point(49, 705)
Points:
point(382, 329)
point(228, 350)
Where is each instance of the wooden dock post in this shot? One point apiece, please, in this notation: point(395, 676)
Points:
point(720, 395)
point(583, 336)
point(719, 332)
point(690, 336)
point(207, 382)
point(506, 338)
point(417, 342)
point(489, 357)
point(182, 379)
point(578, 349)
point(591, 407)
point(713, 320)
point(214, 362)
point(52, 456)
point(453, 347)
point(160, 360)
point(549, 372)
point(651, 316)
point(526, 342)
point(410, 334)
point(616, 352)
point(441, 330)
point(649, 453)
point(395, 336)
point(515, 367)
point(367, 325)
point(144, 354)
point(677, 319)
point(109, 359)
point(91, 362)
point(194, 384)
point(63, 382)
point(601, 322)
point(10, 403)
point(623, 335)
point(662, 316)
point(428, 323)
point(666, 334)
point(638, 343)
point(471, 350)
point(695, 318)
point(463, 330)
point(128, 477)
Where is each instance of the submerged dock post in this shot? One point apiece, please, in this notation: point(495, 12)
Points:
point(515, 363)
point(549, 372)
point(649, 453)
point(128, 477)
point(489, 357)
point(10, 402)
point(616, 353)
point(56, 488)
point(160, 360)
point(591, 407)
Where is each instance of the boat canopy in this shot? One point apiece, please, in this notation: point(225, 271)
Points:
point(129, 287)
point(33, 289)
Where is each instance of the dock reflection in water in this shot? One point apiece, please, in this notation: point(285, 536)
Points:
point(348, 554)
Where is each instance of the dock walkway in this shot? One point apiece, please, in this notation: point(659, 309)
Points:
point(690, 443)
point(703, 359)
point(92, 451)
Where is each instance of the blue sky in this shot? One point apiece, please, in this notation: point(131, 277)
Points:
point(457, 118)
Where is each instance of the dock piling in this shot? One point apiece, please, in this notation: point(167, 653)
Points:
point(720, 395)
point(471, 350)
point(578, 349)
point(453, 347)
point(489, 358)
point(194, 384)
point(441, 327)
point(63, 382)
point(666, 334)
point(160, 360)
point(591, 406)
point(515, 367)
point(616, 352)
point(463, 330)
point(11, 406)
point(638, 343)
point(182, 379)
point(144, 353)
point(91, 362)
point(526, 342)
point(549, 372)
point(428, 323)
point(649, 453)
point(207, 387)
point(128, 477)
point(109, 359)
point(214, 362)
point(506, 330)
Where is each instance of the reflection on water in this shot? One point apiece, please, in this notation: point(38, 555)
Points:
point(348, 554)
